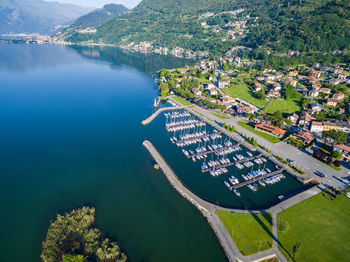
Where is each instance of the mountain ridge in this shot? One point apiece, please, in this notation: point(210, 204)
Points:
point(36, 16)
point(279, 25)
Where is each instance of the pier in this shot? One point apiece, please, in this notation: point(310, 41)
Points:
point(212, 151)
point(256, 179)
point(155, 114)
point(231, 163)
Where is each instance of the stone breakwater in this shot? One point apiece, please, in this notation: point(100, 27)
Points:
point(207, 209)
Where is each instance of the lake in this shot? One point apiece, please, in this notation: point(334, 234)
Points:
point(71, 136)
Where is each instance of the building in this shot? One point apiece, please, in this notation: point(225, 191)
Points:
point(212, 91)
point(196, 91)
point(293, 117)
point(277, 86)
point(293, 73)
point(316, 86)
point(316, 73)
point(314, 93)
point(274, 94)
point(345, 150)
point(316, 127)
point(339, 96)
point(315, 108)
point(242, 109)
point(223, 84)
point(291, 81)
point(329, 126)
point(343, 126)
point(338, 70)
point(332, 102)
point(227, 99)
point(271, 129)
point(325, 90)
point(342, 76)
point(305, 137)
point(304, 119)
point(258, 86)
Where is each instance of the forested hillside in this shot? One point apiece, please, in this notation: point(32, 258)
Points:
point(100, 16)
point(218, 25)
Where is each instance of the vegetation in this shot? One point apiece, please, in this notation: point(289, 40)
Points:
point(285, 106)
point(280, 25)
point(221, 116)
point(229, 128)
point(271, 138)
point(301, 172)
point(181, 100)
point(100, 16)
point(334, 136)
point(251, 233)
point(246, 93)
point(252, 141)
point(318, 230)
point(71, 238)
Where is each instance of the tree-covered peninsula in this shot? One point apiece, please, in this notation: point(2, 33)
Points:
point(71, 238)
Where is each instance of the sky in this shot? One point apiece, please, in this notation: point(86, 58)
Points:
point(100, 3)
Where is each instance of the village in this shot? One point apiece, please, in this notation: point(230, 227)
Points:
point(305, 106)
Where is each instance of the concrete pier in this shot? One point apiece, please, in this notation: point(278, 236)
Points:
point(155, 114)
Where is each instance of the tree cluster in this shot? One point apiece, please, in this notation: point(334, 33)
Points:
point(71, 238)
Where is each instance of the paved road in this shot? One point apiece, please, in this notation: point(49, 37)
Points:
point(209, 210)
point(301, 159)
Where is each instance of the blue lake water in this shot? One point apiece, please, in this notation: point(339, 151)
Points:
point(71, 135)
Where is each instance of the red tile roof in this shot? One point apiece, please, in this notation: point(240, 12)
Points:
point(272, 129)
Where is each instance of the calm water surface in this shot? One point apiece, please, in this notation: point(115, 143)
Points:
point(71, 135)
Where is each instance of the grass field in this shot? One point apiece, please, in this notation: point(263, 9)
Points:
point(181, 100)
point(320, 225)
point(251, 233)
point(271, 138)
point(284, 106)
point(221, 116)
point(244, 92)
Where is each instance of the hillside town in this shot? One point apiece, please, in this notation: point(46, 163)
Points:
point(306, 106)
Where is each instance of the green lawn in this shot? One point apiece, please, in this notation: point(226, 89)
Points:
point(320, 225)
point(181, 100)
point(271, 138)
point(251, 233)
point(284, 106)
point(244, 92)
point(221, 116)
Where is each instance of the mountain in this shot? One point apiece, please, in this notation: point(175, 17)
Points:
point(36, 16)
point(100, 16)
point(216, 26)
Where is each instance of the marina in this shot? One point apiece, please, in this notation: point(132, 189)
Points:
point(220, 156)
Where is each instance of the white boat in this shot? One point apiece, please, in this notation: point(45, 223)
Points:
point(237, 193)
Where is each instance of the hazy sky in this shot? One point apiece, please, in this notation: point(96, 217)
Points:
point(100, 3)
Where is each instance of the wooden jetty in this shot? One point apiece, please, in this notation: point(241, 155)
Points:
point(256, 179)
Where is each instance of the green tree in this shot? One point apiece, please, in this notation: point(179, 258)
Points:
point(73, 258)
point(70, 238)
point(337, 155)
point(162, 72)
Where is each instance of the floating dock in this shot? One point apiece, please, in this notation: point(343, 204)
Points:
point(256, 179)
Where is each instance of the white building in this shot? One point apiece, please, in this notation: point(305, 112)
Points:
point(316, 127)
